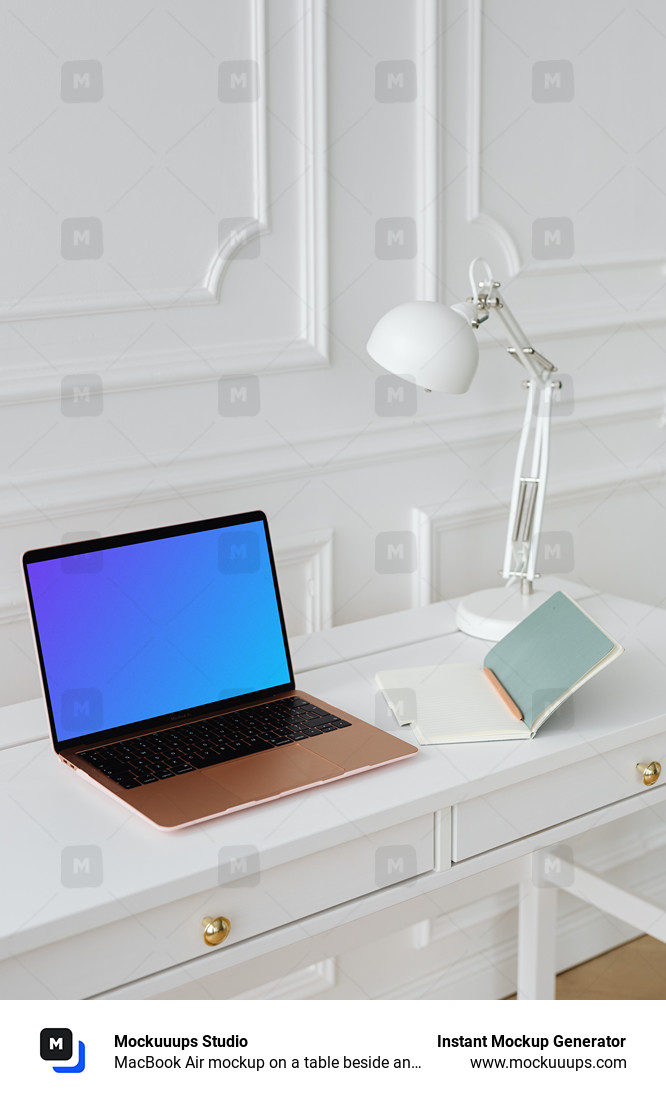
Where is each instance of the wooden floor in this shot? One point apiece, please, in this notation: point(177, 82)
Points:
point(634, 972)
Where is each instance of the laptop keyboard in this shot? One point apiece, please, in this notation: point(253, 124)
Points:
point(162, 755)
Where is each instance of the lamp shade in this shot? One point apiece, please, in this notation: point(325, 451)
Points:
point(427, 343)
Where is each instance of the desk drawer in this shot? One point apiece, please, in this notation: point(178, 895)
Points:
point(524, 808)
point(156, 939)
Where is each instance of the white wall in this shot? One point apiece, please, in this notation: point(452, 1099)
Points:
point(242, 241)
point(310, 165)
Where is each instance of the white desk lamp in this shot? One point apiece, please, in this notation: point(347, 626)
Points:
point(434, 346)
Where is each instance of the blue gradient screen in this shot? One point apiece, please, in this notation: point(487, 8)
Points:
point(134, 632)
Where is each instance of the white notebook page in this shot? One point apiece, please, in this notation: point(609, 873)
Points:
point(449, 703)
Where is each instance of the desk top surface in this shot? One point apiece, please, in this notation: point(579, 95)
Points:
point(45, 807)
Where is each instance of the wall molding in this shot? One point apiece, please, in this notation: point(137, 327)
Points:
point(313, 552)
point(307, 347)
point(13, 608)
point(562, 318)
point(259, 222)
point(73, 496)
point(562, 322)
point(432, 523)
point(476, 215)
point(157, 369)
point(207, 292)
point(314, 97)
point(69, 492)
point(428, 151)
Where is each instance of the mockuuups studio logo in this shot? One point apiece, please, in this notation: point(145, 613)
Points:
point(238, 396)
point(81, 710)
point(83, 562)
point(395, 81)
point(564, 717)
point(395, 239)
point(81, 239)
point(56, 1044)
point(556, 552)
point(553, 867)
point(238, 865)
point(394, 396)
point(395, 705)
point(238, 551)
point(552, 239)
point(81, 82)
point(562, 403)
point(81, 865)
point(394, 863)
point(238, 82)
point(395, 552)
point(240, 237)
point(81, 395)
point(552, 82)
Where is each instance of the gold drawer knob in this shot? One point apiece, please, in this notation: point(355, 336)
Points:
point(650, 772)
point(216, 930)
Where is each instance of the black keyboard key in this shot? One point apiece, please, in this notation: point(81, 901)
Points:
point(111, 770)
point(214, 758)
point(257, 744)
point(193, 756)
point(243, 750)
point(277, 739)
point(161, 755)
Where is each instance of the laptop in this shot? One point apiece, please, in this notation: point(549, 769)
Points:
point(167, 677)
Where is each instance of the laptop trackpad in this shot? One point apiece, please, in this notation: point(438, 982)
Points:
point(266, 774)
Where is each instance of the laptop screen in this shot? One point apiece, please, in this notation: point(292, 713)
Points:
point(143, 627)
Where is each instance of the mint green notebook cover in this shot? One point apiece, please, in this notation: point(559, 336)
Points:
point(544, 656)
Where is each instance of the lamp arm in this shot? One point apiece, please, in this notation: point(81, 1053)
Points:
point(529, 488)
point(543, 419)
point(485, 296)
point(531, 471)
point(518, 491)
point(536, 364)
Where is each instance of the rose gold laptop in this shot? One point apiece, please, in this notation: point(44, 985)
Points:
point(167, 676)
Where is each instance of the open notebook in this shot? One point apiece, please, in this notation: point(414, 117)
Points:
point(524, 678)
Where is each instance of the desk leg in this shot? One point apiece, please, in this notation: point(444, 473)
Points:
point(537, 914)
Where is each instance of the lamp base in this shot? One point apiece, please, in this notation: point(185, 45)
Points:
point(493, 612)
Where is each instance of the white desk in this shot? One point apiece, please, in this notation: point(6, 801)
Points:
point(339, 866)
